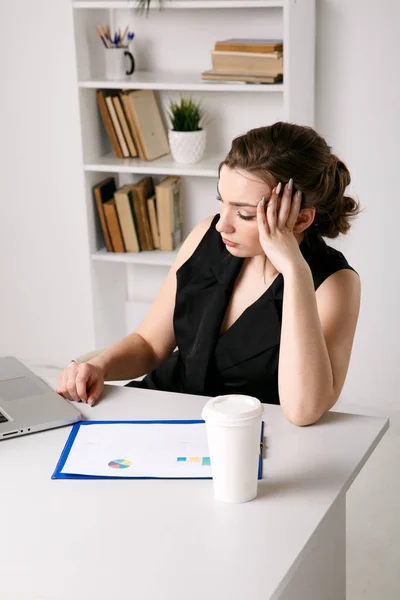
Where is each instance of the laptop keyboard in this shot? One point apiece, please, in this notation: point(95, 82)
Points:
point(3, 419)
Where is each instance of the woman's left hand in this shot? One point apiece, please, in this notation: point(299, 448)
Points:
point(276, 229)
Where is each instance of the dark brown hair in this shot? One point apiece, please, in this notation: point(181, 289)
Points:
point(282, 151)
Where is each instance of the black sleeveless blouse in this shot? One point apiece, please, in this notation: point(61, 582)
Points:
point(244, 359)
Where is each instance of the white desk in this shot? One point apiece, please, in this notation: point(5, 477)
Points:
point(163, 539)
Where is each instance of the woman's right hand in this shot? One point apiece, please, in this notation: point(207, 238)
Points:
point(82, 382)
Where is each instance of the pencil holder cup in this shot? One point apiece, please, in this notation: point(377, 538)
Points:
point(119, 63)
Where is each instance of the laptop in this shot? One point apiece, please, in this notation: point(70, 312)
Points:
point(27, 404)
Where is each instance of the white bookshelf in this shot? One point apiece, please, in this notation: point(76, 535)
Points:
point(164, 165)
point(155, 258)
point(180, 4)
point(170, 54)
point(182, 81)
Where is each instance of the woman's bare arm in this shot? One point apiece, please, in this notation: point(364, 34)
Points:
point(154, 339)
point(316, 341)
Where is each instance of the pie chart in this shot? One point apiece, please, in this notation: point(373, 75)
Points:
point(120, 463)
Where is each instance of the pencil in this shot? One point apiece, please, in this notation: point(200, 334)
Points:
point(124, 34)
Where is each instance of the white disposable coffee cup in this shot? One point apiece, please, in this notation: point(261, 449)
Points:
point(233, 425)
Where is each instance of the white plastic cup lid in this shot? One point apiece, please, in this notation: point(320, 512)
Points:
point(232, 409)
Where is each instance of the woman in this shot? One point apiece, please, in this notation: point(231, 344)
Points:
point(256, 302)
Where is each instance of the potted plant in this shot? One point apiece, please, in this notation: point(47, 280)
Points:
point(144, 6)
point(187, 138)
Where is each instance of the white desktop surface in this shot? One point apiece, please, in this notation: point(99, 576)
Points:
point(169, 539)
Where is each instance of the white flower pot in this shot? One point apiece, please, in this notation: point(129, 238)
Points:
point(187, 147)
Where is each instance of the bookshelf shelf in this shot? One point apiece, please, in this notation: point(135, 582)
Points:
point(180, 4)
point(109, 163)
point(153, 80)
point(153, 258)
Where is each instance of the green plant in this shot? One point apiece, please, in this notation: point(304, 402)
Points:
point(185, 115)
point(144, 5)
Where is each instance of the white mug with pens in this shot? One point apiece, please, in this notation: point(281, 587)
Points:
point(116, 63)
point(119, 61)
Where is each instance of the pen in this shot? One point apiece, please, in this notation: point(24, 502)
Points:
point(116, 39)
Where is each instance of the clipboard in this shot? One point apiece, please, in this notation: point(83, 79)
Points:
point(159, 449)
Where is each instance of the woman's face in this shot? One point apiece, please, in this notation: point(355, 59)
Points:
point(239, 192)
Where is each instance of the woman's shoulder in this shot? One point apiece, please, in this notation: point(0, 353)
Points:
point(196, 238)
point(323, 259)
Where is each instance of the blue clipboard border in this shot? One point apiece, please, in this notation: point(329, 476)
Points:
point(74, 431)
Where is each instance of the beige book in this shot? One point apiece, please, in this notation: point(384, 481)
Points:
point(125, 127)
point(114, 228)
point(151, 205)
point(132, 123)
point(211, 75)
point(103, 192)
point(147, 119)
point(127, 219)
point(251, 63)
point(142, 190)
point(169, 212)
point(101, 99)
point(249, 45)
point(117, 127)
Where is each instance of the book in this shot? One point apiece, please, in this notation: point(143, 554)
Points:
point(249, 45)
point(113, 225)
point(250, 63)
point(169, 212)
point(211, 75)
point(132, 123)
point(125, 126)
point(151, 205)
point(101, 100)
point(149, 127)
point(103, 192)
point(117, 127)
point(127, 218)
point(142, 190)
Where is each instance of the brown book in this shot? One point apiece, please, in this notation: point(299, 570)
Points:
point(124, 125)
point(148, 123)
point(234, 77)
point(103, 192)
point(142, 190)
point(249, 45)
point(110, 213)
point(151, 205)
point(117, 127)
point(132, 123)
point(101, 99)
point(127, 218)
point(247, 63)
point(169, 212)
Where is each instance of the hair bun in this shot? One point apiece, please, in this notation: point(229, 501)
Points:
point(341, 208)
point(341, 171)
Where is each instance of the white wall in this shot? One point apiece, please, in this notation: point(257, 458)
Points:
point(358, 101)
point(45, 308)
point(45, 311)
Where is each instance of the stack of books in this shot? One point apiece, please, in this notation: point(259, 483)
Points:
point(134, 123)
point(140, 216)
point(248, 60)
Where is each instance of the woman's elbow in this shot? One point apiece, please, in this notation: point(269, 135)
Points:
point(308, 412)
point(302, 417)
point(301, 420)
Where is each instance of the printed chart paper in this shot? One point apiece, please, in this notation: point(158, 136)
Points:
point(139, 450)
